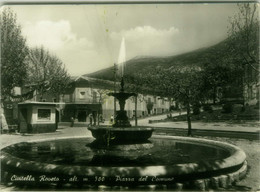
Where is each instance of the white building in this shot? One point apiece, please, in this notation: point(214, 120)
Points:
point(89, 96)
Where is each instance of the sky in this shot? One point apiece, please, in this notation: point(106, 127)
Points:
point(87, 38)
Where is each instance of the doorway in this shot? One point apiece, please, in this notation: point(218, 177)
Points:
point(82, 116)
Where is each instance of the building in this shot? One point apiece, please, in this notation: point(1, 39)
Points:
point(89, 96)
point(37, 117)
point(86, 96)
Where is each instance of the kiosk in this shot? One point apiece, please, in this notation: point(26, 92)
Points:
point(37, 117)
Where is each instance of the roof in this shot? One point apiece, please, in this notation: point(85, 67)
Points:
point(84, 81)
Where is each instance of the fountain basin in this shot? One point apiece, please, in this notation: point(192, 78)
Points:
point(128, 163)
point(121, 135)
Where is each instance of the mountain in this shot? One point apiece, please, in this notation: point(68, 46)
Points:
point(143, 64)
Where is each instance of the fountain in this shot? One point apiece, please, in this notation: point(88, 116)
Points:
point(121, 130)
point(124, 156)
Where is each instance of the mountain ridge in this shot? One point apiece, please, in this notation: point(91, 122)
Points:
point(141, 64)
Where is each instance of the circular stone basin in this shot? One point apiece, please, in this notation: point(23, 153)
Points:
point(162, 159)
point(119, 135)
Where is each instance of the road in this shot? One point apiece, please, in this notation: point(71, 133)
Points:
point(246, 130)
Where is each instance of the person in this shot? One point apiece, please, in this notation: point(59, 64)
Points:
point(72, 121)
point(112, 119)
point(101, 118)
point(90, 119)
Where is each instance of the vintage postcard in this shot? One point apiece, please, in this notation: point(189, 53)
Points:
point(129, 96)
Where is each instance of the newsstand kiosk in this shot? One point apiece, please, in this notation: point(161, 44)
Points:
point(37, 117)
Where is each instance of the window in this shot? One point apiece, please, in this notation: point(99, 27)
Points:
point(44, 114)
point(82, 94)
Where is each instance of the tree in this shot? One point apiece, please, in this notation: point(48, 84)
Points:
point(215, 76)
point(184, 84)
point(13, 53)
point(46, 72)
point(244, 39)
point(243, 48)
point(103, 95)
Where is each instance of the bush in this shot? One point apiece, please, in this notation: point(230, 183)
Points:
point(172, 108)
point(227, 108)
point(196, 110)
point(208, 108)
point(243, 109)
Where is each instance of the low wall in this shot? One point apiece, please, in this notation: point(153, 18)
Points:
point(220, 173)
point(41, 128)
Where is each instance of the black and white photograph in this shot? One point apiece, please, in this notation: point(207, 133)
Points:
point(129, 96)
